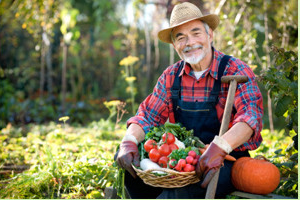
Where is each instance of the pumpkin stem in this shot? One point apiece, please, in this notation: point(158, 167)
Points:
point(261, 157)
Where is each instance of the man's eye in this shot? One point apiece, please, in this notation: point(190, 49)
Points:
point(180, 39)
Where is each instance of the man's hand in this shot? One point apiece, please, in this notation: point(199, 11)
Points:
point(128, 153)
point(209, 163)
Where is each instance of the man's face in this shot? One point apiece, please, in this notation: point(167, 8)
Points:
point(191, 41)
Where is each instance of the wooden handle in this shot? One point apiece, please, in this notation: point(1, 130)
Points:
point(233, 80)
point(237, 78)
point(212, 186)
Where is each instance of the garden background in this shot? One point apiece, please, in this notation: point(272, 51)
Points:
point(73, 71)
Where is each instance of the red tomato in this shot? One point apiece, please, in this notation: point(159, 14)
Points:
point(154, 155)
point(164, 150)
point(192, 153)
point(173, 147)
point(163, 161)
point(172, 163)
point(189, 159)
point(182, 163)
point(150, 144)
point(168, 137)
point(188, 168)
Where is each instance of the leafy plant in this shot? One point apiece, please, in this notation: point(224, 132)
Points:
point(66, 162)
point(282, 81)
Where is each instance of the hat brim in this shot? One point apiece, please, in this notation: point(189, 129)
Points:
point(212, 21)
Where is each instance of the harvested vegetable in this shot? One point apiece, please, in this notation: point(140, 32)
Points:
point(150, 144)
point(168, 138)
point(147, 164)
point(179, 144)
point(154, 155)
point(255, 175)
point(171, 146)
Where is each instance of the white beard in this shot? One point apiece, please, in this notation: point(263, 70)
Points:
point(196, 58)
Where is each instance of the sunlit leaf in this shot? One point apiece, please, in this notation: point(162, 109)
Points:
point(294, 157)
point(278, 151)
point(282, 105)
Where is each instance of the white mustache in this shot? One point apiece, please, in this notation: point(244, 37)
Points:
point(186, 49)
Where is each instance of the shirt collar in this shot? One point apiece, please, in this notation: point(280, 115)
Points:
point(213, 69)
point(186, 69)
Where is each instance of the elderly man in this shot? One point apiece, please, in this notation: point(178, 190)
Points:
point(190, 92)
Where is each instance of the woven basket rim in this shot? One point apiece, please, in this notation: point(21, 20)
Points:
point(166, 170)
point(180, 179)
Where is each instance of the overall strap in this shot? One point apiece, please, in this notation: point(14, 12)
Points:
point(176, 87)
point(217, 85)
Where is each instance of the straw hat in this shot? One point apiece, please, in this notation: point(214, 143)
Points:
point(183, 13)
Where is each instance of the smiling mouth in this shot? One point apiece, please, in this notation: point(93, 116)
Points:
point(191, 49)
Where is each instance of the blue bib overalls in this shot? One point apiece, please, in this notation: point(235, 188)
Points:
point(202, 118)
point(199, 116)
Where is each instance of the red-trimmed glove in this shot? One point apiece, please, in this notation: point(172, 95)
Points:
point(209, 162)
point(128, 153)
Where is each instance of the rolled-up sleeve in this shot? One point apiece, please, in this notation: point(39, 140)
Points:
point(249, 107)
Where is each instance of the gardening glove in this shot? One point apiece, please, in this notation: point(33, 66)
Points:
point(212, 159)
point(128, 153)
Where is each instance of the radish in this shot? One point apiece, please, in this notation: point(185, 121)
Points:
point(188, 168)
point(189, 159)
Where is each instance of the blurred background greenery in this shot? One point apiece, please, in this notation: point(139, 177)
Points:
point(96, 60)
point(63, 57)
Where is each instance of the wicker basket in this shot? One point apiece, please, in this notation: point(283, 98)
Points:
point(172, 179)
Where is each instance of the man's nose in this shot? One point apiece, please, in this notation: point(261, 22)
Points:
point(190, 41)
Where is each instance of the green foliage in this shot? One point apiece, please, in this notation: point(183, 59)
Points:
point(248, 29)
point(282, 82)
point(176, 129)
point(68, 27)
point(29, 186)
point(66, 162)
point(90, 57)
point(103, 36)
point(7, 100)
point(101, 39)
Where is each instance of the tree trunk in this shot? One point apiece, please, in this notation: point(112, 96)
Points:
point(268, 59)
point(157, 17)
point(80, 78)
point(148, 56)
point(49, 69)
point(111, 73)
point(63, 77)
point(47, 42)
point(74, 90)
point(42, 72)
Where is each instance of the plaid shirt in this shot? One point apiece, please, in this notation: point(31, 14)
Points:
point(157, 108)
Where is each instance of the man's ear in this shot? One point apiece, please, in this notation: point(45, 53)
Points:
point(211, 35)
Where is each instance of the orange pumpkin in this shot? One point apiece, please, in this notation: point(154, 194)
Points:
point(255, 175)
